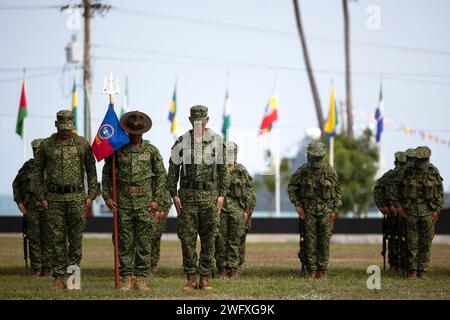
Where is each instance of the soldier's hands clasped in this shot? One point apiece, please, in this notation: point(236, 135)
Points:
point(401, 212)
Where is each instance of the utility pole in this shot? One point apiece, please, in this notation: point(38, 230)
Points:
point(87, 73)
point(312, 81)
point(348, 81)
point(89, 8)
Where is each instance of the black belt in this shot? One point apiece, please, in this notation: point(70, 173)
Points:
point(199, 185)
point(64, 189)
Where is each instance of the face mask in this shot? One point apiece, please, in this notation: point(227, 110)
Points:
point(315, 162)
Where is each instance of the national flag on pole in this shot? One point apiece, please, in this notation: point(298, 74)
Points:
point(110, 136)
point(270, 114)
point(22, 111)
point(75, 105)
point(126, 102)
point(173, 113)
point(379, 116)
point(226, 116)
point(332, 121)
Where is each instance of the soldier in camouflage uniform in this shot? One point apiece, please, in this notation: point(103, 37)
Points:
point(65, 158)
point(30, 206)
point(315, 191)
point(139, 202)
point(239, 202)
point(422, 198)
point(386, 201)
point(197, 160)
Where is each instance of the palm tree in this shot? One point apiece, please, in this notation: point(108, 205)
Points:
point(348, 81)
point(312, 81)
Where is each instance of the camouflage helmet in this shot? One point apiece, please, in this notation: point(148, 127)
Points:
point(36, 143)
point(400, 156)
point(316, 149)
point(410, 153)
point(64, 120)
point(422, 152)
point(198, 112)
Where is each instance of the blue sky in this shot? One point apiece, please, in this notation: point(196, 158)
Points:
point(199, 41)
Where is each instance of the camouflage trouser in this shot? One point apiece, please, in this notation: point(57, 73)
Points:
point(229, 237)
point(136, 228)
point(248, 225)
point(420, 233)
point(160, 227)
point(318, 231)
point(66, 222)
point(39, 240)
point(199, 218)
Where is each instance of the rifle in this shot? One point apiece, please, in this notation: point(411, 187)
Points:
point(385, 230)
point(25, 241)
point(302, 251)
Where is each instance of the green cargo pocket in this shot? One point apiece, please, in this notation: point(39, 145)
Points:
point(411, 189)
point(326, 189)
point(429, 189)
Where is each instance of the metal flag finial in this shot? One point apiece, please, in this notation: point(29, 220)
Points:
point(111, 86)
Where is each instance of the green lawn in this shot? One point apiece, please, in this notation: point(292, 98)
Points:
point(271, 272)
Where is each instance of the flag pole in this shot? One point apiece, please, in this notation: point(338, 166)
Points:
point(332, 136)
point(277, 165)
point(24, 144)
point(111, 92)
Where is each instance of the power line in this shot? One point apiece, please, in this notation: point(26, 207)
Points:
point(10, 8)
point(195, 57)
point(269, 67)
point(39, 75)
point(10, 70)
point(148, 14)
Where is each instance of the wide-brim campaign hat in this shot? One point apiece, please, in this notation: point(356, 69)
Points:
point(135, 122)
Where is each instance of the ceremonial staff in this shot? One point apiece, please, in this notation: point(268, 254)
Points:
point(111, 88)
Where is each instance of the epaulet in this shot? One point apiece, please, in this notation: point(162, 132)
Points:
point(330, 170)
point(434, 170)
point(179, 140)
point(28, 163)
point(152, 147)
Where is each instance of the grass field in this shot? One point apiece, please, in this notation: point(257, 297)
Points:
point(271, 272)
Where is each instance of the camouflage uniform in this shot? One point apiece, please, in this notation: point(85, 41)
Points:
point(136, 168)
point(385, 197)
point(65, 163)
point(421, 194)
point(25, 192)
point(315, 188)
point(240, 198)
point(201, 169)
